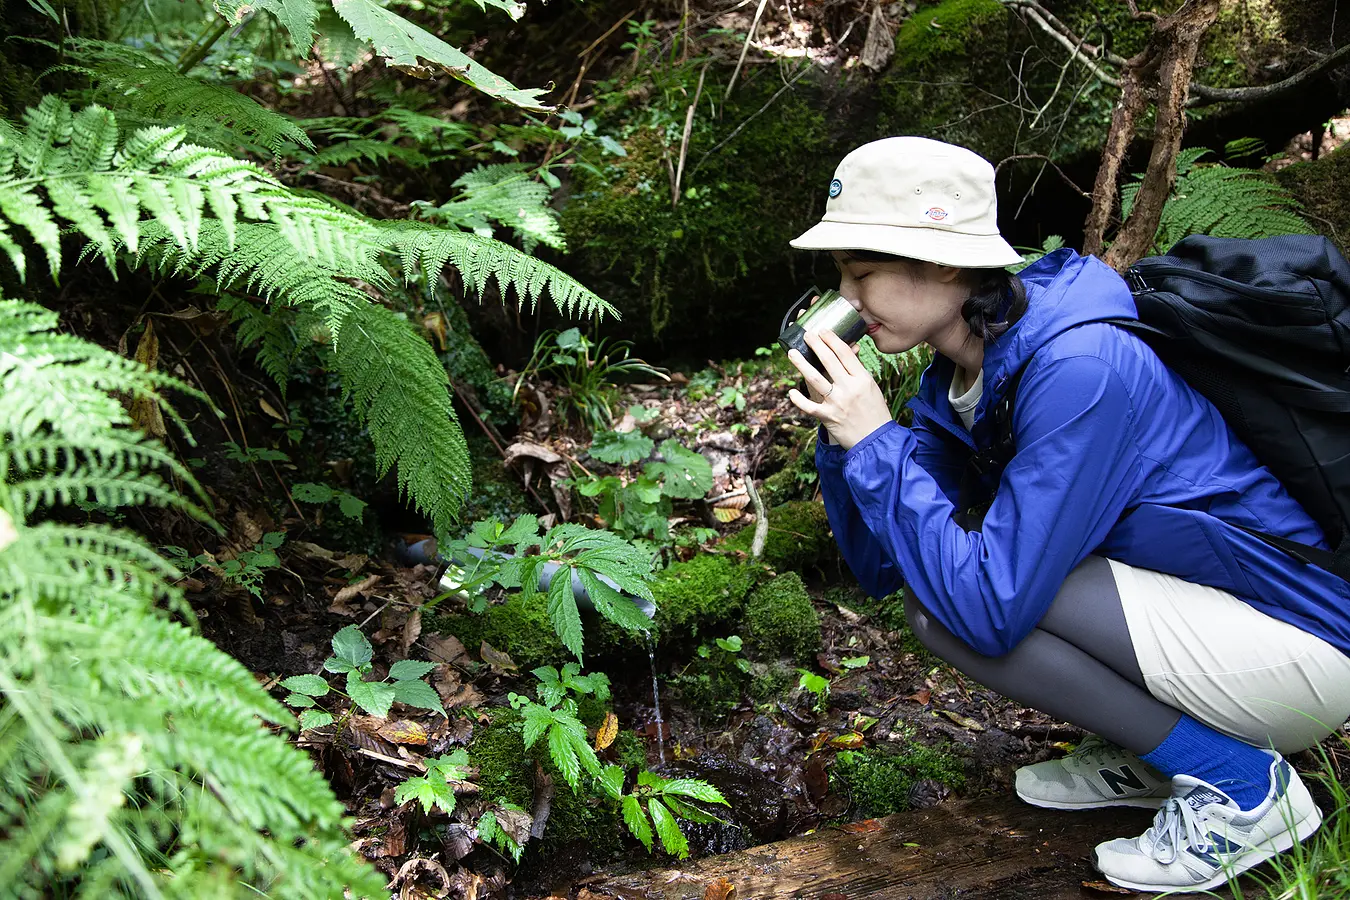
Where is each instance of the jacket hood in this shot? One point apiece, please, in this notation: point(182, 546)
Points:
point(1063, 290)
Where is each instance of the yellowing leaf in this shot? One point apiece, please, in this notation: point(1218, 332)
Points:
point(609, 730)
point(726, 514)
point(404, 731)
point(850, 741)
point(145, 409)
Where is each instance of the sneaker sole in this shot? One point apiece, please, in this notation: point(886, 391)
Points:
point(1136, 802)
point(1250, 860)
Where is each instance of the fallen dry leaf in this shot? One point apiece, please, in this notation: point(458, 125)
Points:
point(270, 409)
point(454, 693)
point(1106, 887)
point(816, 779)
point(609, 730)
point(866, 826)
point(145, 410)
point(923, 695)
point(446, 648)
point(719, 889)
point(849, 741)
point(498, 660)
point(352, 590)
point(404, 731)
point(964, 721)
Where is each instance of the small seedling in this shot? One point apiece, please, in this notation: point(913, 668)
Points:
point(311, 492)
point(657, 801)
point(817, 685)
point(437, 787)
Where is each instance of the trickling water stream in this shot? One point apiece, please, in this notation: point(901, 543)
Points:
point(656, 699)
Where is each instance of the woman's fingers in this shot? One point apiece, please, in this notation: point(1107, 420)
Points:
point(846, 354)
point(827, 354)
point(814, 380)
point(806, 405)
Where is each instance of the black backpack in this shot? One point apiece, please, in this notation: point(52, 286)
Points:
point(1261, 328)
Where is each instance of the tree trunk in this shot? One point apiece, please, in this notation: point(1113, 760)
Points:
point(1171, 54)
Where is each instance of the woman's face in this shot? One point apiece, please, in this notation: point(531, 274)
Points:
point(906, 305)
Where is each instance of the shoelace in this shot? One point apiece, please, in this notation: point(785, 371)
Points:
point(1095, 749)
point(1175, 820)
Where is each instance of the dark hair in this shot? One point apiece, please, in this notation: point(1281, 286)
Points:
point(997, 297)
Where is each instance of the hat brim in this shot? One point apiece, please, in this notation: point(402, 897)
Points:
point(948, 248)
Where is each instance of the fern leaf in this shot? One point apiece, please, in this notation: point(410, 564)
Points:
point(406, 47)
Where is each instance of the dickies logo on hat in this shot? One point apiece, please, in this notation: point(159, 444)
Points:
point(936, 213)
point(836, 188)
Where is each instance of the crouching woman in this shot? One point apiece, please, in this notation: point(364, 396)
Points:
point(1110, 583)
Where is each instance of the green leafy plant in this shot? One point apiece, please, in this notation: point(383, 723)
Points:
point(817, 685)
point(235, 453)
point(492, 833)
point(311, 492)
point(728, 649)
point(586, 370)
point(555, 685)
point(897, 374)
point(92, 667)
point(568, 746)
point(655, 803)
point(621, 448)
point(640, 506)
point(730, 396)
point(702, 384)
point(585, 552)
point(352, 655)
point(246, 569)
point(437, 787)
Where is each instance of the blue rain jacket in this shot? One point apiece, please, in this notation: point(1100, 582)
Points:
point(1101, 427)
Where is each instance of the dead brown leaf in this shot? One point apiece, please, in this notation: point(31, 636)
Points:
point(964, 721)
point(145, 410)
point(394, 841)
point(455, 694)
point(406, 879)
point(514, 822)
point(719, 889)
point(412, 630)
point(498, 660)
point(351, 590)
point(923, 695)
point(440, 329)
point(816, 779)
point(866, 826)
point(609, 730)
point(446, 648)
point(352, 562)
point(1106, 887)
point(270, 409)
point(404, 731)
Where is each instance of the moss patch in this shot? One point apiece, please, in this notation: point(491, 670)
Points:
point(1322, 186)
point(506, 771)
point(796, 478)
point(696, 598)
point(781, 620)
point(878, 782)
point(518, 626)
point(799, 537)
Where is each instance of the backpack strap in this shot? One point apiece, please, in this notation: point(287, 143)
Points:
point(1337, 561)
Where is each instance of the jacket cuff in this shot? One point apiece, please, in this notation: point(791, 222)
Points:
point(826, 451)
point(877, 435)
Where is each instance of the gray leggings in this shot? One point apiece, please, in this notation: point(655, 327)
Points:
point(1077, 664)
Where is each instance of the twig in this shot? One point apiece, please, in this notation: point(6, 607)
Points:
point(761, 520)
point(490, 432)
point(684, 142)
point(750, 36)
point(1204, 95)
point(595, 43)
point(741, 127)
point(1074, 51)
point(1086, 195)
point(392, 760)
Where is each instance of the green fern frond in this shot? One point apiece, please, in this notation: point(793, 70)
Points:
point(271, 332)
point(133, 80)
point(479, 260)
point(503, 193)
point(400, 389)
point(1221, 201)
point(369, 150)
point(132, 760)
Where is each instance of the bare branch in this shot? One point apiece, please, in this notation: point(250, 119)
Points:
point(1205, 95)
point(1074, 46)
point(1041, 156)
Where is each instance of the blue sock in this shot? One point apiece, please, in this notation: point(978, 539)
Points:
point(1239, 770)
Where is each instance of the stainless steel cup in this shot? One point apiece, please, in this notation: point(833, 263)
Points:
point(830, 312)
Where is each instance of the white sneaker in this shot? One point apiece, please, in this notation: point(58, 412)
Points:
point(1200, 839)
point(1097, 773)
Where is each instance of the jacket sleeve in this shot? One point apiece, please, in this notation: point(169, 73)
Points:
point(867, 558)
point(934, 453)
point(1074, 473)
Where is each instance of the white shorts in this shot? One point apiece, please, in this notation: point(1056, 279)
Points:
point(1227, 664)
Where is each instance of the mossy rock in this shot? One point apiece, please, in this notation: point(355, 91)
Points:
point(797, 477)
point(506, 771)
point(713, 684)
point(697, 597)
point(878, 782)
point(1322, 186)
point(799, 537)
point(780, 620)
point(770, 680)
point(519, 626)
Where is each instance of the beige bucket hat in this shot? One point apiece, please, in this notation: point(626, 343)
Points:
point(914, 197)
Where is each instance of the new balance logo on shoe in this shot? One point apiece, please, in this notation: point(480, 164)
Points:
point(1120, 779)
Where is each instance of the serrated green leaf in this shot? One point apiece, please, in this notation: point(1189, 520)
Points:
point(419, 694)
point(452, 767)
point(429, 790)
point(297, 16)
point(564, 756)
point(684, 473)
point(408, 48)
point(315, 718)
point(372, 696)
point(563, 612)
point(698, 790)
point(537, 720)
point(337, 666)
point(523, 530)
point(668, 829)
point(409, 668)
point(636, 820)
point(611, 781)
point(686, 810)
point(351, 507)
point(312, 492)
point(611, 604)
point(299, 701)
point(313, 685)
point(621, 448)
point(351, 646)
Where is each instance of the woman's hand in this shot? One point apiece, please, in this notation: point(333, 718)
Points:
point(848, 403)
